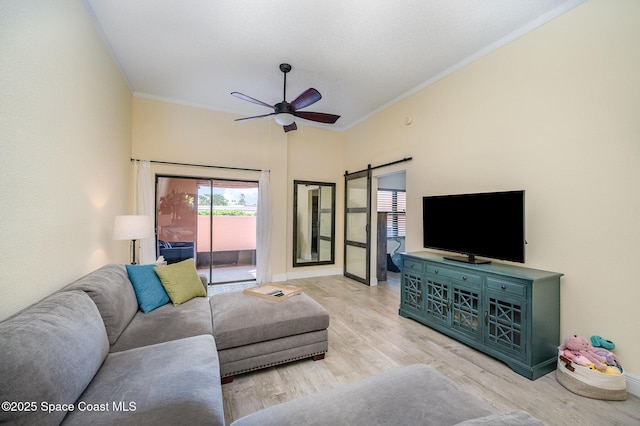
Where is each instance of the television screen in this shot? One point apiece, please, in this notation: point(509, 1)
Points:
point(483, 224)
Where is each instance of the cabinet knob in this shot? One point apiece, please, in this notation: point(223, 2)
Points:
point(436, 271)
point(504, 287)
point(464, 277)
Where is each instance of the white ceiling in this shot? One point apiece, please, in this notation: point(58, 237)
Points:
point(360, 54)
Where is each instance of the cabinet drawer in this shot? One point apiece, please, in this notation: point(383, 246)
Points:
point(515, 289)
point(454, 274)
point(413, 265)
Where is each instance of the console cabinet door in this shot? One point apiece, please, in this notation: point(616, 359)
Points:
point(412, 291)
point(466, 310)
point(436, 305)
point(505, 323)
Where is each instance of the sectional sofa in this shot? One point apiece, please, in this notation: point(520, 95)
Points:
point(89, 354)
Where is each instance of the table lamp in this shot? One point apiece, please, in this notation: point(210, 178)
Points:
point(132, 227)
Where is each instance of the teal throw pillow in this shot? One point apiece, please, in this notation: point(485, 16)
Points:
point(147, 286)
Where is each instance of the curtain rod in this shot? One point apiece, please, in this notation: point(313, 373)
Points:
point(201, 165)
point(346, 173)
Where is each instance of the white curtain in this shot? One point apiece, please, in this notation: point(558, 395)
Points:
point(143, 189)
point(263, 249)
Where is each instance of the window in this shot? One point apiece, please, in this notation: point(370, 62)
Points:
point(394, 203)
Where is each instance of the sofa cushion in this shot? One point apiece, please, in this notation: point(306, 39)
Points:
point(113, 294)
point(241, 319)
point(166, 323)
point(147, 286)
point(181, 281)
point(170, 383)
point(413, 395)
point(49, 353)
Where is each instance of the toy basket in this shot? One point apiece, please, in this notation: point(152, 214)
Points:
point(592, 384)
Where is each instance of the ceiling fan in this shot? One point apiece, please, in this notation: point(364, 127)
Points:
point(285, 112)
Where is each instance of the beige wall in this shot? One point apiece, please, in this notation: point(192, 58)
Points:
point(65, 124)
point(178, 133)
point(316, 155)
point(554, 113)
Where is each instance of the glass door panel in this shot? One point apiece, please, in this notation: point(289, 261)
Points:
point(176, 218)
point(205, 228)
point(234, 215)
point(357, 194)
point(357, 227)
point(356, 265)
point(325, 249)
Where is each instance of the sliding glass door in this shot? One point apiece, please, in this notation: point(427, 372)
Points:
point(212, 221)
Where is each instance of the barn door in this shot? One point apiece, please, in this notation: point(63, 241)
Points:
point(357, 230)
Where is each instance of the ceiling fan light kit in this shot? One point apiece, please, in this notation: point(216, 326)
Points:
point(284, 112)
point(284, 119)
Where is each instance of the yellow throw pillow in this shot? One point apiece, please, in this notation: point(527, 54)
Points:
point(181, 281)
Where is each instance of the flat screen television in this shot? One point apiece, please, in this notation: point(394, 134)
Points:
point(483, 224)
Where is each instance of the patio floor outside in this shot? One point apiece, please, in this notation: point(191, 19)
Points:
point(229, 274)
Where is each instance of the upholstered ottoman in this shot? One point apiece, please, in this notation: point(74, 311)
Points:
point(252, 332)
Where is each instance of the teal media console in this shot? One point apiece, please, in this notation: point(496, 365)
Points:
point(509, 312)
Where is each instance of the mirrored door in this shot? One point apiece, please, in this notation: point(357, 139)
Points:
point(313, 223)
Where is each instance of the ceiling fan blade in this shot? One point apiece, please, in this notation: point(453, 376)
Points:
point(306, 98)
point(320, 117)
point(290, 127)
point(250, 99)
point(254, 117)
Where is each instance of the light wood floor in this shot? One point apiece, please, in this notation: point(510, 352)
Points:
point(367, 336)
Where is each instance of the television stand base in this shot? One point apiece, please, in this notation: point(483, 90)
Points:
point(468, 259)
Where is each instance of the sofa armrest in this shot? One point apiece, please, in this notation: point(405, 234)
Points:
point(205, 282)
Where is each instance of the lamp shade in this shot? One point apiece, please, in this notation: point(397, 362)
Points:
point(132, 227)
point(284, 119)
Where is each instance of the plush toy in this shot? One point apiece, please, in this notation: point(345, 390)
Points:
point(577, 358)
point(609, 370)
point(601, 342)
point(582, 346)
point(582, 360)
point(610, 357)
